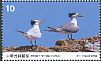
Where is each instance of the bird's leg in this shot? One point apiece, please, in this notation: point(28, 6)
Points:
point(35, 42)
point(31, 43)
point(71, 36)
point(68, 36)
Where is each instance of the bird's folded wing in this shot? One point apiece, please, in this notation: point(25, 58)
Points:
point(34, 32)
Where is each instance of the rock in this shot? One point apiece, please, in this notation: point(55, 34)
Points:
point(61, 43)
point(60, 46)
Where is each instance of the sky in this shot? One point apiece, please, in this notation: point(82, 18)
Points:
point(55, 14)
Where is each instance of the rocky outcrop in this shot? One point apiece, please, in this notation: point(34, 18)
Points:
point(60, 46)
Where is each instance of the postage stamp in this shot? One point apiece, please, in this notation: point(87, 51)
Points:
point(50, 30)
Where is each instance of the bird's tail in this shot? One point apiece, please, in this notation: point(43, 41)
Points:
point(20, 31)
point(51, 29)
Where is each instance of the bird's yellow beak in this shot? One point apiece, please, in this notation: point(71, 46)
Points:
point(41, 21)
point(79, 15)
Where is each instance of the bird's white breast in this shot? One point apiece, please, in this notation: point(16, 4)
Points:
point(74, 21)
point(34, 32)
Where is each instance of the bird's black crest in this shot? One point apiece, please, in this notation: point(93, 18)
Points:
point(70, 14)
point(32, 22)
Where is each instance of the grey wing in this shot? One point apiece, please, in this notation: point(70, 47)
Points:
point(70, 28)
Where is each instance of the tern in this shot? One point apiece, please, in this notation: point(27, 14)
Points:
point(33, 33)
point(68, 28)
